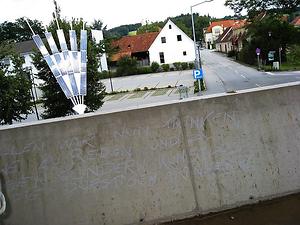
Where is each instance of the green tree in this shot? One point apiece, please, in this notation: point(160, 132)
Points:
point(252, 6)
point(15, 98)
point(121, 30)
point(268, 34)
point(53, 99)
point(98, 25)
point(152, 27)
point(19, 31)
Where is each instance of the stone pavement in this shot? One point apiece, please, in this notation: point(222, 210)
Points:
point(129, 99)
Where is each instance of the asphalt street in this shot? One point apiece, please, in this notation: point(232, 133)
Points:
point(225, 75)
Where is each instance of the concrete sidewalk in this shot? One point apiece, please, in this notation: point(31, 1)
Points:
point(280, 211)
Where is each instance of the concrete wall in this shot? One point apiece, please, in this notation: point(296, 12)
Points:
point(153, 164)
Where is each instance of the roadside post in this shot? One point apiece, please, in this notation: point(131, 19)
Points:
point(198, 64)
point(198, 75)
point(271, 57)
point(280, 50)
point(258, 54)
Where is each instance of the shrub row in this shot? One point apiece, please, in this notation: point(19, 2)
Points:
point(128, 66)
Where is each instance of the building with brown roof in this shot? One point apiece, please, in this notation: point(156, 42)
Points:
point(224, 42)
point(134, 46)
point(169, 45)
point(216, 28)
point(296, 21)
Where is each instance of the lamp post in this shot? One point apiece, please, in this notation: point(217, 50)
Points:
point(198, 64)
point(31, 79)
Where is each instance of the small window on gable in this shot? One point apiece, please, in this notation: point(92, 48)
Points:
point(170, 26)
point(184, 53)
point(163, 40)
point(179, 38)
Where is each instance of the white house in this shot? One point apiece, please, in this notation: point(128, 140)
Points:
point(169, 45)
point(172, 45)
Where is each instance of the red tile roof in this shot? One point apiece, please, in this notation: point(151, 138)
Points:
point(133, 44)
point(296, 21)
point(225, 24)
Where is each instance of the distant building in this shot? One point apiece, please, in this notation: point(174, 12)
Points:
point(296, 21)
point(134, 46)
point(224, 42)
point(232, 38)
point(216, 28)
point(169, 45)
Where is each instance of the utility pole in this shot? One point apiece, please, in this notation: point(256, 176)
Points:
point(198, 64)
point(31, 79)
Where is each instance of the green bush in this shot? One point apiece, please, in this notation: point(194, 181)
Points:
point(144, 70)
point(191, 66)
point(165, 67)
point(196, 86)
point(177, 65)
point(154, 67)
point(293, 54)
point(184, 66)
point(106, 74)
point(231, 53)
point(127, 66)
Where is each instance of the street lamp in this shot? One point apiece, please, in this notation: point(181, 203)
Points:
point(198, 64)
point(32, 83)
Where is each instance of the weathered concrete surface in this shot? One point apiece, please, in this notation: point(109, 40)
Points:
point(154, 164)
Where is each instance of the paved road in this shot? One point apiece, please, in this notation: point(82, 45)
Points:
point(224, 75)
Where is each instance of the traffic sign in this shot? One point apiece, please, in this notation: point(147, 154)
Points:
point(271, 55)
point(257, 51)
point(198, 74)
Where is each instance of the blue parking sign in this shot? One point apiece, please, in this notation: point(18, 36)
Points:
point(198, 74)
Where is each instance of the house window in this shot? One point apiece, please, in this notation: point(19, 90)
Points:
point(163, 40)
point(217, 31)
point(179, 38)
point(184, 53)
point(162, 57)
point(170, 26)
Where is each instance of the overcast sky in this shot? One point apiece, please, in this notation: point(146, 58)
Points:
point(112, 12)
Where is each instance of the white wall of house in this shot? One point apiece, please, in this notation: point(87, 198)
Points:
point(224, 47)
point(213, 36)
point(208, 37)
point(216, 32)
point(174, 49)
